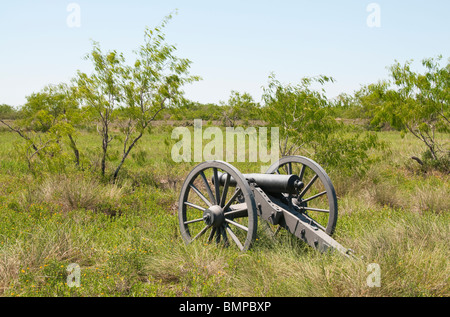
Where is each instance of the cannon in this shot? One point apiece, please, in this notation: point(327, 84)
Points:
point(218, 203)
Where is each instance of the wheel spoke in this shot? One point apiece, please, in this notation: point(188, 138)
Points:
point(234, 223)
point(200, 195)
point(218, 235)
point(302, 173)
point(232, 199)
point(208, 189)
point(308, 186)
point(193, 221)
point(194, 206)
point(225, 190)
point(234, 238)
point(237, 213)
point(201, 233)
point(314, 197)
point(211, 235)
point(315, 209)
point(224, 236)
point(217, 185)
point(289, 168)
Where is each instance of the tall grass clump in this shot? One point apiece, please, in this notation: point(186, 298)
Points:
point(428, 198)
point(76, 191)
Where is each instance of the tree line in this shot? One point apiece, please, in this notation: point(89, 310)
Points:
point(130, 96)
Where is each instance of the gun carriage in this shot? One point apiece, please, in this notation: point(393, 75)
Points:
point(218, 203)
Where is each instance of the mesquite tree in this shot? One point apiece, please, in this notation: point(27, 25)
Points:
point(48, 120)
point(133, 95)
point(416, 103)
point(307, 124)
point(422, 102)
point(301, 113)
point(101, 92)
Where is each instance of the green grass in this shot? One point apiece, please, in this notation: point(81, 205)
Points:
point(126, 240)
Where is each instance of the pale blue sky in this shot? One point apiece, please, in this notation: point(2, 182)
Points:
point(234, 45)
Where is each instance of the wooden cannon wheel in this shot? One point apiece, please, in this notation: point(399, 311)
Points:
point(318, 198)
point(210, 211)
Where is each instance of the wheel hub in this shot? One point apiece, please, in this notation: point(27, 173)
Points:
point(214, 216)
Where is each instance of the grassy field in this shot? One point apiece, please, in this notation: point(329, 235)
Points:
point(126, 241)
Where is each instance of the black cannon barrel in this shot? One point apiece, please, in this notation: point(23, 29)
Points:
point(270, 183)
